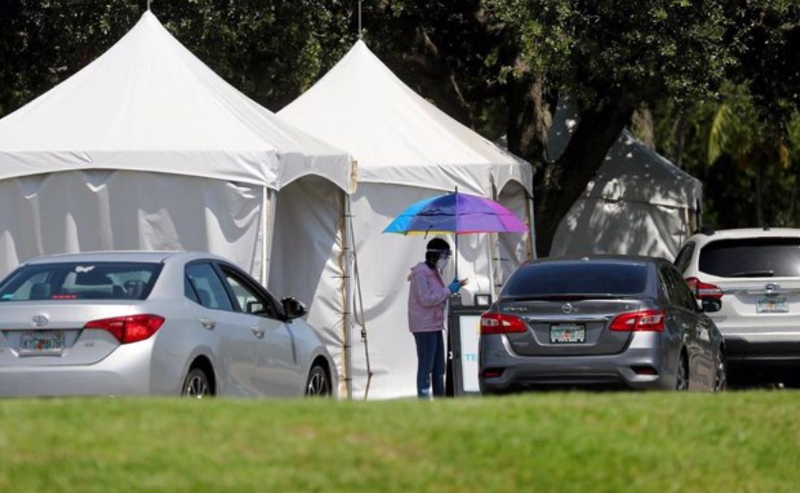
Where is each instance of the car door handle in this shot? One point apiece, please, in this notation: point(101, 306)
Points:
point(208, 323)
point(258, 332)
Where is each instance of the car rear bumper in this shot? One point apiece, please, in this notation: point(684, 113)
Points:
point(126, 371)
point(624, 370)
point(763, 349)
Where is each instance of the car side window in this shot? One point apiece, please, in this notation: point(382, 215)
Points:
point(683, 295)
point(664, 284)
point(247, 296)
point(188, 290)
point(684, 258)
point(210, 292)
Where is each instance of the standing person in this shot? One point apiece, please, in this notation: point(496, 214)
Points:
point(427, 299)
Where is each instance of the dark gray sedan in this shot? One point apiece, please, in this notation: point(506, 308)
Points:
point(611, 321)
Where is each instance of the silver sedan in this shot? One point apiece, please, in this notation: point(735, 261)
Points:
point(153, 323)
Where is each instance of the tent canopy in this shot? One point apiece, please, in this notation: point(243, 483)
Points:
point(148, 104)
point(631, 171)
point(397, 136)
point(638, 202)
point(407, 150)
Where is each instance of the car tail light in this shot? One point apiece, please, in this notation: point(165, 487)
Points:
point(493, 373)
point(497, 323)
point(128, 329)
point(703, 289)
point(639, 321)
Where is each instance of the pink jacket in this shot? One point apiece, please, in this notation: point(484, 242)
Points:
point(426, 299)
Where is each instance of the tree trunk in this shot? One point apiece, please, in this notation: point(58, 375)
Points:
point(528, 119)
point(563, 181)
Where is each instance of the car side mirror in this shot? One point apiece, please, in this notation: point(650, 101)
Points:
point(711, 305)
point(293, 308)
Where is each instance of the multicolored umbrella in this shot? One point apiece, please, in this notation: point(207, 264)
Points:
point(457, 214)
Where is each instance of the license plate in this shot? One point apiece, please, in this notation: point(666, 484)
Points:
point(567, 334)
point(772, 304)
point(41, 343)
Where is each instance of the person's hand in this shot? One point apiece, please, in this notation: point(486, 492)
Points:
point(456, 285)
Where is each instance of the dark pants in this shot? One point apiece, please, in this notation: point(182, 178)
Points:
point(430, 363)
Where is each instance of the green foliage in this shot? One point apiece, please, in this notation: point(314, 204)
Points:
point(619, 50)
point(271, 50)
point(749, 168)
point(765, 38)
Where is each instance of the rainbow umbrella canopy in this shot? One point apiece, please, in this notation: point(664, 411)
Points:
point(457, 214)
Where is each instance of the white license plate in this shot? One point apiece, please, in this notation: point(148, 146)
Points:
point(567, 334)
point(772, 304)
point(41, 343)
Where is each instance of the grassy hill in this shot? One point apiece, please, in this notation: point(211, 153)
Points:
point(552, 442)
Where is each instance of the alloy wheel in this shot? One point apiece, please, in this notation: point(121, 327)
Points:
point(318, 385)
point(196, 384)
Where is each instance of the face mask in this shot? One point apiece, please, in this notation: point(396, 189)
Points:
point(442, 263)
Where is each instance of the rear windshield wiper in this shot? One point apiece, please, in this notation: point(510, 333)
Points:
point(752, 273)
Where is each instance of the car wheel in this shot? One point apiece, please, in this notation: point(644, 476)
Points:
point(318, 384)
point(720, 374)
point(682, 378)
point(196, 385)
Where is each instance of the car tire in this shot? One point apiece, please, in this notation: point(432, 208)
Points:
point(682, 375)
point(720, 374)
point(318, 383)
point(196, 385)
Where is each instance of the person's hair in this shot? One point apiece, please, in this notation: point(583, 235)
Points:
point(438, 245)
point(436, 248)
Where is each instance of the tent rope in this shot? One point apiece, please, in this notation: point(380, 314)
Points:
point(358, 311)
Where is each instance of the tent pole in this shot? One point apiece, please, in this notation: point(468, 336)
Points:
point(359, 20)
point(532, 225)
point(266, 221)
point(347, 312)
point(358, 309)
point(494, 251)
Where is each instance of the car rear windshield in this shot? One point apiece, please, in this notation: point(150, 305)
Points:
point(752, 257)
point(577, 278)
point(80, 281)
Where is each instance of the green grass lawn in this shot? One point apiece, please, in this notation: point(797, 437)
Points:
point(552, 442)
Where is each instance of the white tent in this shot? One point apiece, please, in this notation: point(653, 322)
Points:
point(147, 148)
point(638, 203)
point(407, 150)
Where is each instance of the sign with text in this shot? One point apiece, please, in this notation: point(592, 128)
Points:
point(469, 331)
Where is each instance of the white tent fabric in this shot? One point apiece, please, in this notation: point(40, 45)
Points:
point(397, 136)
point(79, 211)
point(407, 150)
point(148, 104)
point(147, 148)
point(638, 203)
